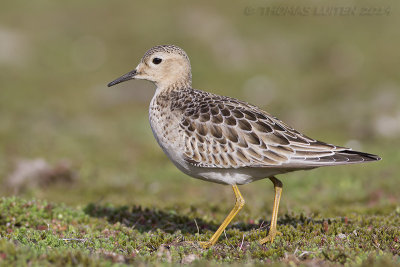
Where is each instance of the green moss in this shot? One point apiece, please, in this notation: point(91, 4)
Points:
point(43, 233)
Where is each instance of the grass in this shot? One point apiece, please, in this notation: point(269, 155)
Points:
point(39, 233)
point(335, 78)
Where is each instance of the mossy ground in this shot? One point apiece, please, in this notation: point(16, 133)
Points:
point(40, 233)
point(334, 78)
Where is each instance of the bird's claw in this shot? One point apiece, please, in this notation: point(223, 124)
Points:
point(270, 237)
point(205, 244)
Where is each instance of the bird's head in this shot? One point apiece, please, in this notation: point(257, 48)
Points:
point(165, 65)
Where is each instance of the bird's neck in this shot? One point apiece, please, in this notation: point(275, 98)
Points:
point(167, 85)
point(172, 97)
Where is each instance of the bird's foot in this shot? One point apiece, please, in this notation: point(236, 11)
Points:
point(270, 237)
point(205, 244)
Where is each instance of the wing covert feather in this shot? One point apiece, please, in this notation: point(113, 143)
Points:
point(223, 132)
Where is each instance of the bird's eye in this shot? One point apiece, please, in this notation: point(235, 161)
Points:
point(157, 60)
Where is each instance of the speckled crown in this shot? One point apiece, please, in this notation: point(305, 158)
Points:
point(165, 48)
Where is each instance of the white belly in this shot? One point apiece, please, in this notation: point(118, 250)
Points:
point(232, 176)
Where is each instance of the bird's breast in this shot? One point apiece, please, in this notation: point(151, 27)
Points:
point(166, 130)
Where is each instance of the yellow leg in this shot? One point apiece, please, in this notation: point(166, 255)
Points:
point(238, 206)
point(272, 229)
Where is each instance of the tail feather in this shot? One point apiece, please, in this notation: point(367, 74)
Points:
point(361, 155)
point(349, 156)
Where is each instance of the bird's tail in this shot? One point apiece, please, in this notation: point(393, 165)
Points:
point(349, 157)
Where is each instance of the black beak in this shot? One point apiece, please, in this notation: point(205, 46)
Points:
point(123, 78)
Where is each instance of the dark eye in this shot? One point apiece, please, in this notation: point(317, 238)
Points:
point(157, 60)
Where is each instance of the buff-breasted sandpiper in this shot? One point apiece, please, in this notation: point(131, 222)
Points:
point(224, 140)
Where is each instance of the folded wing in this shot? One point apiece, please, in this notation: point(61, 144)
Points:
point(223, 132)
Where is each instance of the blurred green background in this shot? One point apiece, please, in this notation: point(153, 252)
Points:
point(334, 78)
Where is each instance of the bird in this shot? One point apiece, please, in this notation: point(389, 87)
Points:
point(224, 140)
